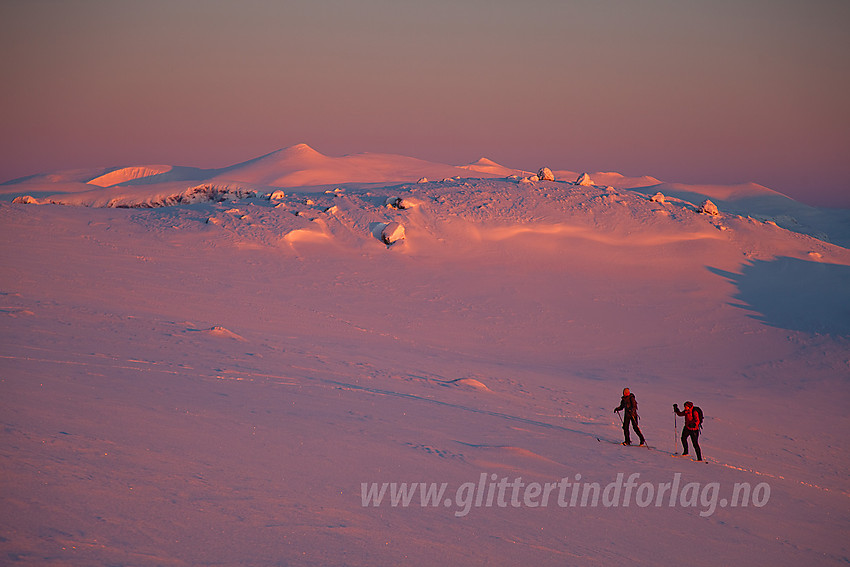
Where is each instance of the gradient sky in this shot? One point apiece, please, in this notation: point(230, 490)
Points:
point(691, 91)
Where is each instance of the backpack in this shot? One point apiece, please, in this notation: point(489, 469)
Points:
point(633, 410)
point(698, 411)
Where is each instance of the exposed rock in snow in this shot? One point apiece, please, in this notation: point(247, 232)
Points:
point(26, 200)
point(546, 174)
point(400, 203)
point(218, 331)
point(423, 180)
point(584, 179)
point(658, 198)
point(198, 194)
point(392, 233)
point(708, 208)
point(277, 196)
point(470, 383)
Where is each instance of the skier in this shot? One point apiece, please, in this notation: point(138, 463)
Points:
point(630, 416)
point(691, 428)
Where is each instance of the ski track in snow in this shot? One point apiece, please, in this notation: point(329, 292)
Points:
point(281, 380)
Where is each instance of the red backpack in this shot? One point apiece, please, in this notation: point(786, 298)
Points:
point(698, 411)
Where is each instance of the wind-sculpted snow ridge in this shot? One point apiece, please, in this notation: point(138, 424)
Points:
point(126, 174)
point(200, 194)
point(413, 217)
point(154, 197)
point(301, 169)
point(454, 216)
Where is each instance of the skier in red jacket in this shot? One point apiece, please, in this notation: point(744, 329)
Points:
point(691, 429)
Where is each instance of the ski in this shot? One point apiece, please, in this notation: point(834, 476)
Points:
point(624, 445)
point(681, 456)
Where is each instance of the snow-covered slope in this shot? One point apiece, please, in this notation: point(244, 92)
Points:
point(762, 203)
point(222, 376)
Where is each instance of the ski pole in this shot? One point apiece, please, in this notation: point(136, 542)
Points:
point(675, 429)
point(621, 418)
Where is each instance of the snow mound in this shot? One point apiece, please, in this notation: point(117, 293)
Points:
point(658, 198)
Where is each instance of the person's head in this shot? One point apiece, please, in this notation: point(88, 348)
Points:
point(689, 405)
point(626, 391)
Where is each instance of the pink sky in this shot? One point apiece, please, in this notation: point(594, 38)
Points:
point(718, 92)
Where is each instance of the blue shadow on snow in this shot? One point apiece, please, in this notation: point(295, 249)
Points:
point(794, 294)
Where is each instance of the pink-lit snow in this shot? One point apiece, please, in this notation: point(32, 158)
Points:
point(213, 376)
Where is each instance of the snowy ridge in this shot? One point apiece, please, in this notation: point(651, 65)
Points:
point(301, 166)
point(308, 170)
point(126, 174)
point(829, 226)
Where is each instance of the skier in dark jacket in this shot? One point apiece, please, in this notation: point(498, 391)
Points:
point(630, 416)
point(691, 429)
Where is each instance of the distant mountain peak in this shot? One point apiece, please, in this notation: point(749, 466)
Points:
point(299, 150)
point(488, 166)
point(302, 148)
